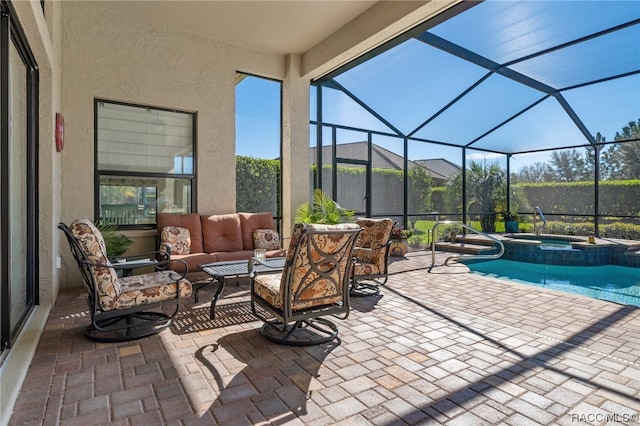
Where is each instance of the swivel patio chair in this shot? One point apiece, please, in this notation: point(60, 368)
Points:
point(314, 284)
point(129, 307)
point(371, 253)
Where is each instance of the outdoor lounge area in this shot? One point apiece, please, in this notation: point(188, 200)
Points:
point(499, 140)
point(445, 347)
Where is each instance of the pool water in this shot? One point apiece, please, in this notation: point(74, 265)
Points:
point(549, 243)
point(614, 283)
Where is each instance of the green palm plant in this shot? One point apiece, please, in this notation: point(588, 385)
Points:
point(116, 243)
point(486, 184)
point(322, 209)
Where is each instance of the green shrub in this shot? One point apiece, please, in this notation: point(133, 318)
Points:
point(610, 230)
point(416, 242)
point(116, 244)
point(620, 230)
point(321, 210)
point(257, 182)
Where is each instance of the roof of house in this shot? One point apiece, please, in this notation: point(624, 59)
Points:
point(381, 158)
point(440, 166)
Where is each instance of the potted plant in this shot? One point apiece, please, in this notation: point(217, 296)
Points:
point(399, 246)
point(116, 244)
point(510, 222)
point(321, 210)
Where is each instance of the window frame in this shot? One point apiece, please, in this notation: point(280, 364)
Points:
point(98, 173)
point(277, 215)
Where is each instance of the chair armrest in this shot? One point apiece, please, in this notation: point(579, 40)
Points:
point(160, 260)
point(387, 244)
point(358, 251)
point(130, 263)
point(154, 258)
point(376, 246)
point(165, 248)
point(255, 261)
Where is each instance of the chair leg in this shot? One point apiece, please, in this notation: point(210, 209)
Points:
point(366, 287)
point(302, 333)
point(127, 327)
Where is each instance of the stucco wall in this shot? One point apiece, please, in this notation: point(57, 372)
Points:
point(112, 56)
point(117, 57)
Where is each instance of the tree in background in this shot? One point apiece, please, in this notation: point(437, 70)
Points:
point(486, 192)
point(420, 188)
point(453, 194)
point(569, 166)
point(618, 161)
point(536, 172)
point(609, 165)
point(629, 152)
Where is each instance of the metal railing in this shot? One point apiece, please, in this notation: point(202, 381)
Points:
point(542, 218)
point(468, 257)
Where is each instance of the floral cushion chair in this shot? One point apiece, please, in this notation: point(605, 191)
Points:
point(313, 284)
point(371, 252)
point(122, 308)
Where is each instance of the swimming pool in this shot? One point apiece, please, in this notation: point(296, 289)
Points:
point(563, 250)
point(614, 283)
point(553, 240)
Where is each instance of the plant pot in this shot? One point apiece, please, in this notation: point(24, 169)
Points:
point(398, 248)
point(511, 226)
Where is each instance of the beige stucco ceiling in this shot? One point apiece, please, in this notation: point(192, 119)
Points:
point(270, 26)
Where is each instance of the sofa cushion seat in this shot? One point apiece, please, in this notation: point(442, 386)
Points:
point(193, 260)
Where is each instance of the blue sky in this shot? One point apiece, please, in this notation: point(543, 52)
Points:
point(406, 96)
point(258, 118)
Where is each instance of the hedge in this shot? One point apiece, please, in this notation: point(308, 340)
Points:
point(257, 183)
point(616, 198)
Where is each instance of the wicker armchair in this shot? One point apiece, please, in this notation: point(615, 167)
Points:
point(314, 284)
point(129, 307)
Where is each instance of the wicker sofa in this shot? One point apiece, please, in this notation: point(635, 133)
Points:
point(198, 239)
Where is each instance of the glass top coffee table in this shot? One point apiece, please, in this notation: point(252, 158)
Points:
point(235, 268)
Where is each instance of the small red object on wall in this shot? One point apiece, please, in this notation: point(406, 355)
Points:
point(59, 132)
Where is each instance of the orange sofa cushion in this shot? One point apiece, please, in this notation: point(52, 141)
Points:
point(221, 232)
point(251, 222)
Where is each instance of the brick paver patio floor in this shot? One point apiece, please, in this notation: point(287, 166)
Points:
point(445, 347)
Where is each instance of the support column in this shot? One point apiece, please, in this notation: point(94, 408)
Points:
point(296, 166)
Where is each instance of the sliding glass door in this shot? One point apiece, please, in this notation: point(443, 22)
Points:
point(18, 204)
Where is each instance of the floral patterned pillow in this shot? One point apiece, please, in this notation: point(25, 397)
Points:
point(179, 238)
point(266, 239)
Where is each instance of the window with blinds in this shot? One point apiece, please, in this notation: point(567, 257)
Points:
point(144, 162)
